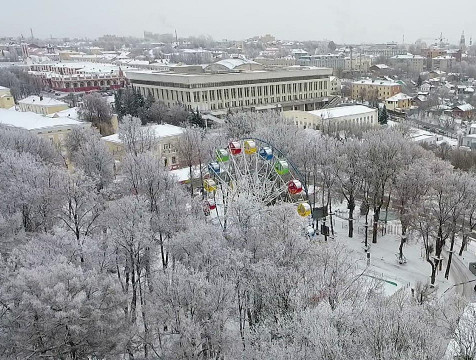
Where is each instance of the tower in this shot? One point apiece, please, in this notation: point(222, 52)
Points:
point(462, 42)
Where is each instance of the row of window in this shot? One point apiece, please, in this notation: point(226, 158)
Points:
point(239, 93)
point(366, 120)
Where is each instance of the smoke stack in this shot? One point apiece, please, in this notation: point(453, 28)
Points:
point(41, 98)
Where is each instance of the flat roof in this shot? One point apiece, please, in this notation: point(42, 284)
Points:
point(198, 78)
point(160, 131)
point(376, 82)
point(32, 121)
point(342, 111)
point(44, 101)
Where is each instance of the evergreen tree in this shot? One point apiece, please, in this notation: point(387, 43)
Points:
point(383, 115)
point(419, 81)
point(196, 119)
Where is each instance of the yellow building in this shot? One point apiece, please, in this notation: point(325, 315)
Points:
point(399, 102)
point(54, 129)
point(374, 89)
point(42, 105)
point(166, 137)
point(6, 98)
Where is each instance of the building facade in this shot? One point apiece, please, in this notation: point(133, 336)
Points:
point(305, 89)
point(6, 98)
point(166, 137)
point(54, 129)
point(414, 63)
point(75, 77)
point(399, 102)
point(443, 63)
point(338, 62)
point(42, 105)
point(371, 90)
point(356, 115)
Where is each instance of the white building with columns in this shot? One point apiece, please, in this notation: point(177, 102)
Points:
point(239, 87)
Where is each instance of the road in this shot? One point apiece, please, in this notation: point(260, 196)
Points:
point(461, 275)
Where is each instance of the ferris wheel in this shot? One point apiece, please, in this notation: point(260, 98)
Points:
point(252, 169)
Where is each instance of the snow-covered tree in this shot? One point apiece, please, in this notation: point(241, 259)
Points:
point(90, 154)
point(135, 137)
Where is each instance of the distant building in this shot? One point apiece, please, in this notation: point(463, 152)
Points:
point(355, 115)
point(276, 62)
point(414, 63)
point(338, 62)
point(385, 50)
point(443, 63)
point(380, 69)
point(74, 77)
point(237, 87)
point(335, 86)
point(166, 137)
point(6, 98)
point(41, 105)
point(370, 90)
point(464, 111)
point(399, 102)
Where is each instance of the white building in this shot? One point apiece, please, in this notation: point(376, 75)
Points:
point(237, 88)
point(355, 115)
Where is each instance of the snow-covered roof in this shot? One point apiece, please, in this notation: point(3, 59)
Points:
point(399, 97)
point(183, 174)
point(44, 101)
point(376, 82)
point(160, 131)
point(445, 57)
point(4, 88)
point(71, 113)
point(381, 66)
point(408, 56)
point(464, 107)
point(342, 111)
point(32, 121)
point(233, 63)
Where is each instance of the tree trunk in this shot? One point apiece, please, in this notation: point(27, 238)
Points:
point(450, 255)
point(433, 271)
point(367, 229)
point(329, 200)
point(463, 244)
point(351, 207)
point(146, 340)
point(375, 224)
point(162, 251)
point(403, 240)
point(191, 179)
point(439, 247)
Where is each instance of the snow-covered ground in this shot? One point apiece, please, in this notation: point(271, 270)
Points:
point(383, 258)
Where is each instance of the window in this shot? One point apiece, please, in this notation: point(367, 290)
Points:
point(174, 160)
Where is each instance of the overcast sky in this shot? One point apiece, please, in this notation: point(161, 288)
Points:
point(343, 21)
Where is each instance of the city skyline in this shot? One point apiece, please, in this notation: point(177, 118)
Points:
point(342, 22)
